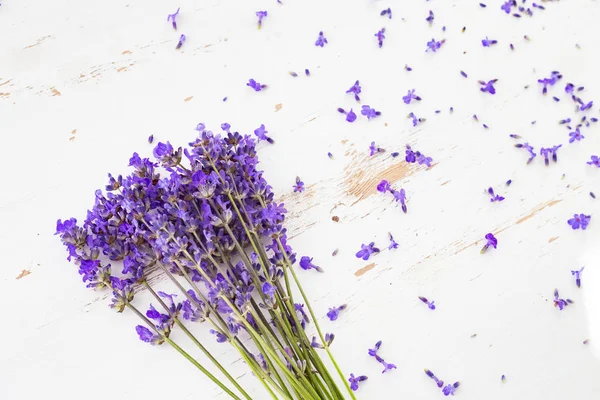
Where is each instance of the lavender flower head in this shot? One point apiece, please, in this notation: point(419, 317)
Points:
point(172, 18)
point(255, 85)
point(410, 96)
point(366, 251)
point(354, 381)
point(260, 15)
point(334, 312)
point(355, 89)
point(561, 303)
point(579, 221)
point(577, 275)
point(369, 112)
point(491, 241)
point(429, 303)
point(380, 35)
point(321, 40)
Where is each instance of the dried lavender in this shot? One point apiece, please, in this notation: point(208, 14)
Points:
point(213, 228)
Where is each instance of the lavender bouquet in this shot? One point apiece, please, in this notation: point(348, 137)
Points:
point(213, 228)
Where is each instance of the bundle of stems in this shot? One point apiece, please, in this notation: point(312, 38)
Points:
point(211, 225)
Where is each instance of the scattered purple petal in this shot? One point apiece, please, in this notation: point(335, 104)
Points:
point(434, 45)
point(261, 134)
point(334, 312)
point(595, 161)
point(181, 41)
point(410, 96)
point(555, 76)
point(387, 12)
point(260, 15)
point(494, 197)
point(561, 303)
point(463, 74)
point(299, 186)
point(488, 86)
point(491, 241)
point(150, 139)
point(255, 85)
point(321, 40)
point(430, 18)
point(369, 112)
point(355, 89)
point(550, 151)
point(393, 243)
point(380, 35)
point(579, 221)
point(575, 136)
point(439, 383)
point(429, 303)
point(488, 42)
point(306, 264)
point(350, 115)
point(373, 149)
point(354, 381)
point(577, 274)
point(366, 251)
point(450, 389)
point(173, 18)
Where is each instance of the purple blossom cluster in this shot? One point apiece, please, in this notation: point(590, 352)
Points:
point(212, 225)
point(373, 353)
point(417, 157)
point(447, 390)
point(399, 195)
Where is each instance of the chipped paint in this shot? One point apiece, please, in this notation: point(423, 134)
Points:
point(364, 269)
point(23, 273)
point(552, 239)
point(39, 41)
point(188, 98)
point(278, 106)
point(126, 52)
point(537, 210)
point(55, 92)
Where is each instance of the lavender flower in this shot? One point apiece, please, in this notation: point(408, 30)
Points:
point(415, 120)
point(172, 18)
point(577, 274)
point(491, 241)
point(422, 160)
point(316, 344)
point(321, 40)
point(434, 45)
point(410, 96)
point(147, 336)
point(494, 197)
point(579, 221)
point(268, 289)
point(334, 312)
point(430, 18)
point(306, 264)
point(555, 76)
point(506, 7)
point(366, 251)
point(299, 186)
point(576, 135)
point(387, 366)
point(450, 389)
point(355, 89)
point(586, 106)
point(561, 303)
point(488, 86)
point(595, 161)
point(387, 12)
point(546, 152)
point(150, 139)
point(429, 303)
point(369, 112)
point(530, 149)
point(437, 381)
point(464, 74)
point(375, 349)
point(181, 41)
point(373, 149)
point(261, 134)
point(354, 381)
point(400, 197)
point(260, 15)
point(393, 243)
point(255, 85)
point(488, 42)
point(350, 115)
point(221, 338)
point(569, 88)
point(383, 186)
point(380, 36)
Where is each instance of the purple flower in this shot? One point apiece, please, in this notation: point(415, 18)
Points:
point(393, 243)
point(334, 312)
point(387, 366)
point(316, 344)
point(380, 36)
point(579, 221)
point(366, 251)
point(261, 134)
point(489, 86)
point(150, 139)
point(350, 115)
point(488, 42)
point(147, 336)
point(430, 18)
point(172, 18)
point(494, 197)
point(434, 45)
point(561, 303)
point(181, 41)
point(373, 149)
point(415, 120)
point(491, 241)
point(422, 160)
point(306, 264)
point(450, 389)
point(575, 136)
point(586, 106)
point(555, 76)
point(369, 112)
point(577, 275)
point(411, 156)
point(219, 335)
point(429, 303)
point(268, 289)
point(354, 381)
point(321, 40)
point(255, 85)
point(569, 88)
point(506, 6)
point(546, 152)
point(530, 149)
point(355, 89)
point(400, 197)
point(595, 161)
point(299, 186)
point(387, 12)
point(383, 186)
point(437, 381)
point(260, 15)
point(410, 96)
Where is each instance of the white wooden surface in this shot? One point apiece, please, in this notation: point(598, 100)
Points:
point(83, 84)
